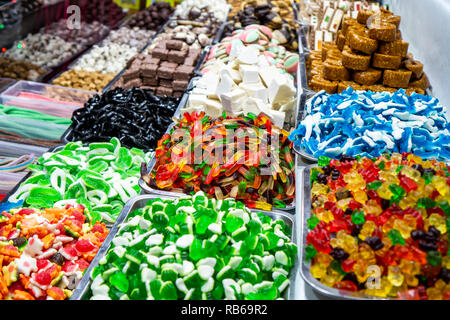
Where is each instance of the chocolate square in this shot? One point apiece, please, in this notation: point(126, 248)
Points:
point(160, 53)
point(174, 44)
point(150, 70)
point(166, 83)
point(167, 64)
point(165, 73)
point(150, 81)
point(176, 56)
point(180, 85)
point(130, 74)
point(164, 91)
point(151, 60)
point(183, 72)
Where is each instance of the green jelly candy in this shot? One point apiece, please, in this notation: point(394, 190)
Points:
point(335, 265)
point(42, 197)
point(310, 252)
point(434, 258)
point(124, 160)
point(396, 237)
point(313, 221)
point(358, 217)
point(202, 224)
point(446, 207)
point(155, 287)
point(426, 203)
point(267, 293)
point(248, 275)
point(168, 291)
point(428, 177)
point(96, 183)
point(233, 223)
point(196, 250)
point(382, 165)
point(218, 292)
point(120, 281)
point(374, 185)
point(398, 193)
point(323, 161)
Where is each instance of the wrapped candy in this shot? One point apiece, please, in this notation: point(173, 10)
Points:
point(257, 169)
point(44, 253)
point(380, 226)
point(195, 248)
point(102, 176)
point(370, 124)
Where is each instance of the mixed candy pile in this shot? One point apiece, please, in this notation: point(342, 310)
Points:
point(43, 253)
point(246, 169)
point(391, 213)
point(196, 248)
point(369, 124)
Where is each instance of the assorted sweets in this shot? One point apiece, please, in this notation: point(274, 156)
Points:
point(43, 50)
point(256, 169)
point(86, 34)
point(195, 248)
point(324, 18)
point(135, 116)
point(20, 70)
point(101, 176)
point(369, 124)
point(277, 15)
point(166, 69)
point(45, 252)
point(132, 37)
point(106, 12)
point(385, 217)
point(194, 9)
point(153, 17)
point(82, 79)
point(368, 54)
point(248, 72)
point(108, 58)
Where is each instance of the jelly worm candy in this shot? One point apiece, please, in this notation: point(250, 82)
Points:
point(247, 172)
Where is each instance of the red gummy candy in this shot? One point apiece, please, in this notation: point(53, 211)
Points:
point(347, 265)
point(26, 211)
point(41, 263)
point(82, 264)
point(407, 183)
point(84, 246)
point(346, 285)
point(44, 277)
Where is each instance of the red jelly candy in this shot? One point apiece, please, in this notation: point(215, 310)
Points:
point(41, 263)
point(84, 246)
point(407, 183)
point(346, 285)
point(82, 264)
point(43, 277)
point(347, 265)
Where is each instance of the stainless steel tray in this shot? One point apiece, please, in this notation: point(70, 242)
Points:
point(304, 213)
point(83, 287)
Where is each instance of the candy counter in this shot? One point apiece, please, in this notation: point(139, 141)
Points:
point(225, 150)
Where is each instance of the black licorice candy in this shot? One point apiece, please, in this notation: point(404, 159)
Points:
point(135, 116)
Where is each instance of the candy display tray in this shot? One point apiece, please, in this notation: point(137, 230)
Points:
point(138, 202)
point(304, 213)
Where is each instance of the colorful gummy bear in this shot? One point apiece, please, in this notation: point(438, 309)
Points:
point(381, 226)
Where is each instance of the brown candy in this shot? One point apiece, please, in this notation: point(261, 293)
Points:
point(384, 61)
point(397, 78)
point(394, 48)
point(334, 70)
point(383, 31)
point(86, 80)
point(363, 44)
point(318, 84)
point(415, 66)
point(368, 77)
point(355, 61)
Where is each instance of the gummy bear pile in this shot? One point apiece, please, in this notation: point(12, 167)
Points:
point(388, 215)
point(43, 253)
point(370, 124)
point(195, 248)
point(227, 168)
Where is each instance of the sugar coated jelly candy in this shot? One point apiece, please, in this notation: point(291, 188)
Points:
point(389, 213)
